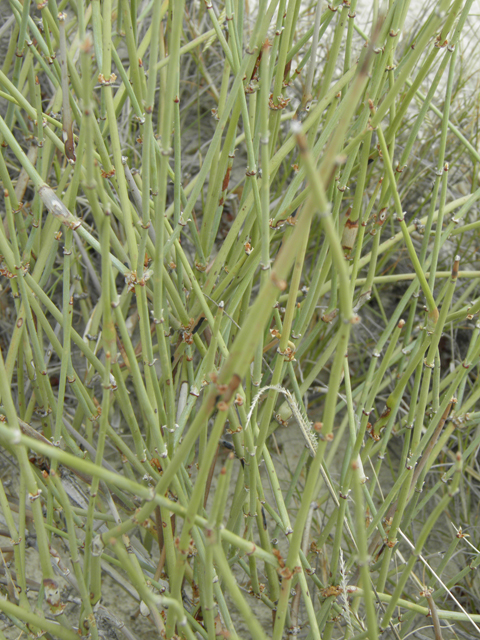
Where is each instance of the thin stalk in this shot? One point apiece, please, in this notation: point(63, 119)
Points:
point(429, 524)
point(363, 557)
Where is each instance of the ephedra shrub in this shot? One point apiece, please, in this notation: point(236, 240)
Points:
point(230, 231)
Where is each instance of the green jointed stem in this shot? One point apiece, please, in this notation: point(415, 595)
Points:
point(149, 303)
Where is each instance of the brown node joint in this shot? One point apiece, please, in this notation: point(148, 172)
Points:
point(251, 87)
point(329, 317)
point(106, 82)
point(285, 573)
point(332, 591)
point(107, 174)
point(281, 103)
point(327, 437)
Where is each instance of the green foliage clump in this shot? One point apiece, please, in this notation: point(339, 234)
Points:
point(219, 221)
